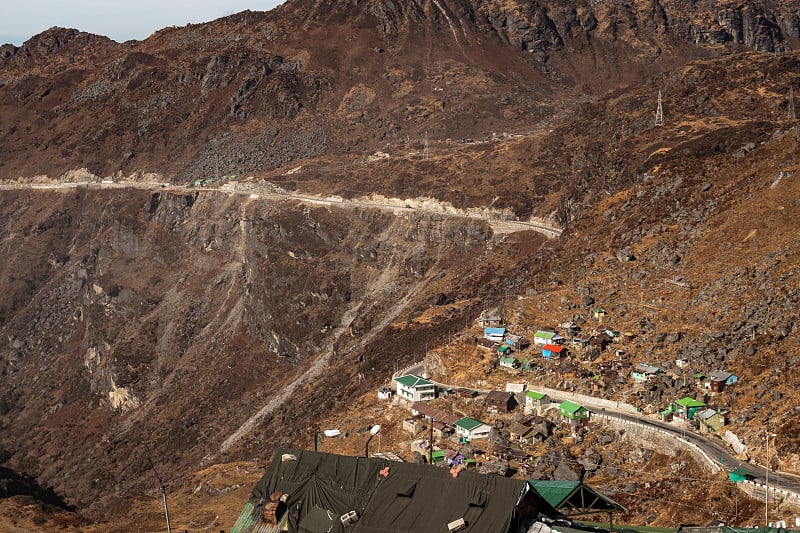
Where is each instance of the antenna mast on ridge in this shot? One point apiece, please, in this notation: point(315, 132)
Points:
point(163, 493)
point(659, 111)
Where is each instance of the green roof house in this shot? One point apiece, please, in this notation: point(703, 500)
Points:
point(471, 429)
point(547, 337)
point(687, 407)
point(414, 388)
point(535, 402)
point(509, 362)
point(573, 413)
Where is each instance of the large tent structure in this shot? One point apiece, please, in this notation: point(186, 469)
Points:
point(313, 492)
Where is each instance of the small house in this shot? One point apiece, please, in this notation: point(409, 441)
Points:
point(486, 343)
point(573, 414)
point(643, 372)
point(553, 350)
point(432, 413)
point(687, 407)
point(466, 394)
point(718, 379)
point(516, 388)
point(453, 458)
point(505, 453)
point(494, 334)
point(517, 431)
point(442, 430)
point(599, 313)
point(504, 350)
point(528, 434)
point(535, 402)
point(517, 341)
point(600, 341)
point(414, 388)
point(470, 429)
point(710, 420)
point(385, 393)
point(500, 401)
point(491, 320)
point(541, 338)
point(413, 424)
point(509, 362)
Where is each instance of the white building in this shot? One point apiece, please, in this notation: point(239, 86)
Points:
point(414, 388)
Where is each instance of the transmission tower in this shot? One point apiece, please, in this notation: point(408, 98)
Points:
point(659, 111)
point(791, 115)
point(426, 153)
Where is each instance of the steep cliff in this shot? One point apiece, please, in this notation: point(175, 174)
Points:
point(154, 324)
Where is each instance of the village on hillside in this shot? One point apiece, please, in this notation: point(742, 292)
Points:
point(491, 441)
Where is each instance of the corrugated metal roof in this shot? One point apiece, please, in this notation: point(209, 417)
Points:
point(719, 375)
point(470, 423)
point(434, 413)
point(412, 381)
point(647, 369)
point(690, 402)
point(499, 396)
point(705, 414)
point(570, 407)
point(553, 348)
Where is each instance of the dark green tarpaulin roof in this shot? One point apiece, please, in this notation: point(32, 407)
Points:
point(574, 498)
point(390, 496)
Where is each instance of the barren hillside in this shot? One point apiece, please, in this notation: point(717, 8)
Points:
point(198, 327)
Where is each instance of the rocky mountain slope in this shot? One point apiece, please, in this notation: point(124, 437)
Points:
point(257, 90)
point(193, 326)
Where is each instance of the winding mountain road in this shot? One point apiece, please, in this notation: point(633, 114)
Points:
point(713, 450)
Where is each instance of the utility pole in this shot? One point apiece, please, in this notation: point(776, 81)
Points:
point(766, 483)
point(430, 445)
point(659, 111)
point(163, 493)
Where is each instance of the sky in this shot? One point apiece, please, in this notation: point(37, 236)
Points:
point(120, 20)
